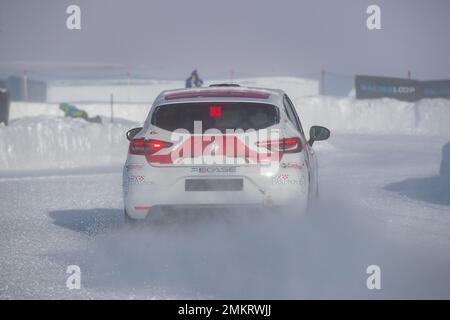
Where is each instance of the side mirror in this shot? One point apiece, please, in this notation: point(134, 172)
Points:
point(132, 133)
point(318, 133)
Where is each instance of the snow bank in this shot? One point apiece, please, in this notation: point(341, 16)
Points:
point(45, 142)
point(379, 116)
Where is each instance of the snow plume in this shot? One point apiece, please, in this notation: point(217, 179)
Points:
point(238, 254)
point(232, 254)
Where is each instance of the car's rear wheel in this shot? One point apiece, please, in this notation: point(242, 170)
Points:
point(128, 220)
point(313, 200)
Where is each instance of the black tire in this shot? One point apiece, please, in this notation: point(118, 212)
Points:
point(4, 106)
point(128, 220)
point(312, 202)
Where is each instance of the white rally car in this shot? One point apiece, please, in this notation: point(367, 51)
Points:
point(220, 146)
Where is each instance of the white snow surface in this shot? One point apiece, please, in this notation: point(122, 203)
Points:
point(382, 203)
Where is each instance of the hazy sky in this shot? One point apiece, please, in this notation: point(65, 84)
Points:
point(167, 38)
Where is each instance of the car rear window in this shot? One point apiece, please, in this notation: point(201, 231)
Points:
point(221, 116)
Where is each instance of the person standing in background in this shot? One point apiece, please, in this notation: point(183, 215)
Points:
point(194, 80)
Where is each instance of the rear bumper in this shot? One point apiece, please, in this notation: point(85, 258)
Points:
point(141, 204)
point(149, 188)
point(186, 212)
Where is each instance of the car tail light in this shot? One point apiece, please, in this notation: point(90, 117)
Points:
point(286, 145)
point(146, 147)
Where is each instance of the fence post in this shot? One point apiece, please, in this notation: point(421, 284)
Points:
point(129, 85)
point(112, 107)
point(25, 85)
point(322, 82)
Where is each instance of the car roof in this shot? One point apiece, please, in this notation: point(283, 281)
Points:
point(221, 93)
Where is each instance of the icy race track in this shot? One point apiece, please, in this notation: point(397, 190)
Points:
point(383, 202)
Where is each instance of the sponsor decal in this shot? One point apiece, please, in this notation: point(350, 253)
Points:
point(291, 165)
point(280, 178)
point(138, 180)
point(286, 179)
point(134, 166)
point(213, 169)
